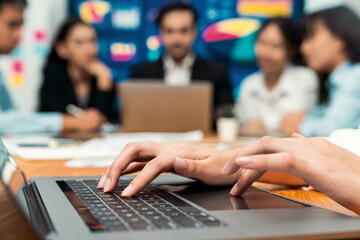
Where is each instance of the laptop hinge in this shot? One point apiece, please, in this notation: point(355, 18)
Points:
point(39, 216)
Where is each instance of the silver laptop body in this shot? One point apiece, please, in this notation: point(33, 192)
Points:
point(55, 210)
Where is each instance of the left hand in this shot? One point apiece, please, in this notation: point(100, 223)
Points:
point(152, 159)
point(323, 165)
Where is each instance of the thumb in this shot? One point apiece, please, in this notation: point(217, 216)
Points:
point(186, 167)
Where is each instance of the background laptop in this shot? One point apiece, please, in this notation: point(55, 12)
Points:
point(171, 207)
point(155, 106)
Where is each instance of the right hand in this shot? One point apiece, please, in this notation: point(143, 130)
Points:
point(90, 119)
point(204, 164)
point(329, 168)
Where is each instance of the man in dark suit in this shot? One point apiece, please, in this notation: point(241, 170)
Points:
point(179, 66)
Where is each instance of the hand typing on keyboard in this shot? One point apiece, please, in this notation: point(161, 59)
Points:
point(152, 158)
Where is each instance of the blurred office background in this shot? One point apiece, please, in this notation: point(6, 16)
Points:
point(128, 35)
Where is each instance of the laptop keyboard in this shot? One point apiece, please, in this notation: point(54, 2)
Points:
point(147, 210)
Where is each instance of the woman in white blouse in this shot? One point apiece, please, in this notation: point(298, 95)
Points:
point(280, 87)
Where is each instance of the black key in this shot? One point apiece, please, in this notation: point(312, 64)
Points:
point(163, 223)
point(138, 205)
point(94, 205)
point(115, 226)
point(184, 221)
point(149, 213)
point(92, 201)
point(96, 209)
point(100, 214)
point(142, 225)
point(199, 215)
point(155, 202)
point(110, 218)
point(167, 210)
point(88, 198)
point(171, 198)
point(143, 209)
point(157, 206)
point(117, 207)
point(131, 200)
point(129, 215)
point(123, 211)
point(174, 214)
point(150, 198)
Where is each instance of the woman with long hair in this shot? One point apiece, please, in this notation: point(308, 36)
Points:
point(74, 75)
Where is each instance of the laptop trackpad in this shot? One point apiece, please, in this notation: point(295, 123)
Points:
point(218, 198)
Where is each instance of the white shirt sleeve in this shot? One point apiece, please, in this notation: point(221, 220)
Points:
point(246, 105)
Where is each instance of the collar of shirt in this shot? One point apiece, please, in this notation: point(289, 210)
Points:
point(278, 91)
point(178, 73)
point(335, 77)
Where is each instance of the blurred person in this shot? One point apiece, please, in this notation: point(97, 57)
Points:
point(73, 73)
point(13, 121)
point(179, 66)
point(331, 46)
point(280, 87)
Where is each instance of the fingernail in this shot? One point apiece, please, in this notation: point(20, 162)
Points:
point(226, 168)
point(127, 191)
point(102, 181)
point(244, 160)
point(181, 163)
point(234, 190)
point(107, 185)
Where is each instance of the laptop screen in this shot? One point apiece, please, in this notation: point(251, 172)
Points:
point(10, 173)
point(13, 223)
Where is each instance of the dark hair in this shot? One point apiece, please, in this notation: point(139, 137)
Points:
point(292, 33)
point(343, 23)
point(16, 3)
point(173, 7)
point(63, 33)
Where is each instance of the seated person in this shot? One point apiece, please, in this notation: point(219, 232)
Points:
point(14, 121)
point(179, 66)
point(331, 46)
point(280, 87)
point(74, 75)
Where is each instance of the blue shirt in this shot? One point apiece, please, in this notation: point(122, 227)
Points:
point(343, 108)
point(13, 121)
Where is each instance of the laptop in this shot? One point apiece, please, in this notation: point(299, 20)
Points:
point(152, 106)
point(170, 207)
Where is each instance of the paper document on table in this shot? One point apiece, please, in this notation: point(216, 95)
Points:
point(119, 140)
point(106, 147)
point(12, 142)
point(89, 162)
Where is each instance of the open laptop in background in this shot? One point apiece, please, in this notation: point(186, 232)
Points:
point(170, 207)
point(150, 106)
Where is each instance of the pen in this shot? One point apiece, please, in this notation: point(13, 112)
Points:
point(74, 110)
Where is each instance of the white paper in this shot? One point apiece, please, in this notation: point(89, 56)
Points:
point(347, 138)
point(107, 147)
